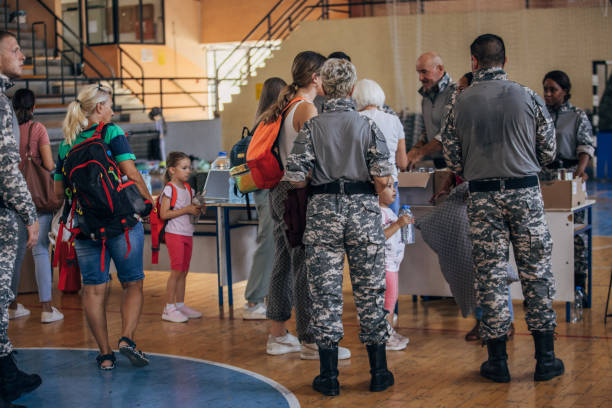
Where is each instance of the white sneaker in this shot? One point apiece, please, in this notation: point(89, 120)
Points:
point(397, 342)
point(189, 312)
point(282, 345)
point(310, 351)
point(257, 312)
point(172, 314)
point(395, 321)
point(53, 316)
point(19, 312)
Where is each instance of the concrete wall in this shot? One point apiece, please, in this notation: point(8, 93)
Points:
point(385, 49)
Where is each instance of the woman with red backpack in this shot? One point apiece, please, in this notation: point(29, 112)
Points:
point(85, 121)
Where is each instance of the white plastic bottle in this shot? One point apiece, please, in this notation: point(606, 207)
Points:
point(407, 230)
point(221, 162)
point(578, 302)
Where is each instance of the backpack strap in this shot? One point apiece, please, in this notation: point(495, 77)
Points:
point(173, 196)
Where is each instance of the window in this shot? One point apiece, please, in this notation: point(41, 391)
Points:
point(125, 21)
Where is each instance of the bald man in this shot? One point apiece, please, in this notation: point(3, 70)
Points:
point(437, 89)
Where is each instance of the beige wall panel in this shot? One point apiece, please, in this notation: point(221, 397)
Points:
point(537, 41)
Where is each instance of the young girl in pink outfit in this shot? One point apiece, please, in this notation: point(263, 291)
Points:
point(394, 253)
point(178, 235)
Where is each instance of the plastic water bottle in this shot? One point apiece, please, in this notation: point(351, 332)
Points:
point(407, 230)
point(578, 302)
point(221, 162)
point(146, 177)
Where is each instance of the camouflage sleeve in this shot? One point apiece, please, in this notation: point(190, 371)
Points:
point(301, 159)
point(377, 155)
point(584, 135)
point(15, 194)
point(451, 145)
point(546, 141)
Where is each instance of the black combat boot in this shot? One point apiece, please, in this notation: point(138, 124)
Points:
point(4, 403)
point(327, 382)
point(496, 367)
point(547, 365)
point(381, 377)
point(14, 382)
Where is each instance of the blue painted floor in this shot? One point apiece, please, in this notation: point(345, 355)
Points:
point(71, 379)
point(602, 211)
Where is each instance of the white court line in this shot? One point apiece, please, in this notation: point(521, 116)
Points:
point(602, 247)
point(288, 395)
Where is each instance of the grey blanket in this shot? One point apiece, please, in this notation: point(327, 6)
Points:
point(446, 230)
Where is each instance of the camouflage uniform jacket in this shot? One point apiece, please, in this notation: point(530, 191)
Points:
point(14, 190)
point(452, 143)
point(326, 134)
point(574, 132)
point(433, 106)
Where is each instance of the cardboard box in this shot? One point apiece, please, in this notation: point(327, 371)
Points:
point(416, 188)
point(563, 194)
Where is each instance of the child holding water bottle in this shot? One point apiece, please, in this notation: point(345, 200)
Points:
point(394, 253)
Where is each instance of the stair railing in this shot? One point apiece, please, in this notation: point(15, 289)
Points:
point(139, 80)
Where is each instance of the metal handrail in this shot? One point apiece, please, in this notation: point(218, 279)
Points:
point(133, 77)
point(44, 25)
point(82, 45)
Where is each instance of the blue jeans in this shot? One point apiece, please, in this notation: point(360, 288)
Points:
point(42, 263)
point(478, 310)
point(130, 269)
point(22, 240)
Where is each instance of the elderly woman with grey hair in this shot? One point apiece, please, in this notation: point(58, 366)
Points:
point(370, 99)
point(344, 157)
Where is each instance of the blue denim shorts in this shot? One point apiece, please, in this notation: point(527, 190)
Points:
point(130, 269)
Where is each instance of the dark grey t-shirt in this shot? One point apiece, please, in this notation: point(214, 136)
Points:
point(496, 123)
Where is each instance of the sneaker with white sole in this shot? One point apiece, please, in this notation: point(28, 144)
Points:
point(189, 312)
point(282, 345)
point(19, 312)
point(310, 351)
point(172, 314)
point(397, 342)
point(53, 316)
point(257, 312)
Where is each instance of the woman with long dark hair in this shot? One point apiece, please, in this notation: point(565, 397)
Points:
point(263, 257)
point(35, 140)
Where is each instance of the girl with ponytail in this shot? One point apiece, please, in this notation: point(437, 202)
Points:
point(288, 283)
point(93, 106)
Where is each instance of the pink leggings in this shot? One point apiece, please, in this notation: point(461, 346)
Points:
point(392, 290)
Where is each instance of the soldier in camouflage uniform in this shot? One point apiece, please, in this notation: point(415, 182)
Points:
point(575, 148)
point(499, 147)
point(15, 202)
point(340, 152)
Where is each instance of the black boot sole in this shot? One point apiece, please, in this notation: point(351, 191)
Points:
point(13, 397)
point(548, 376)
point(325, 390)
point(383, 386)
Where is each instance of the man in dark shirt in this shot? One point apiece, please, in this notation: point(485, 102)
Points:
point(496, 135)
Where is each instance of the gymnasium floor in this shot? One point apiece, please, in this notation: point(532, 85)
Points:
point(218, 361)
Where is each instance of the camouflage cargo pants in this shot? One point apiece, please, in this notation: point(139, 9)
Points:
point(338, 224)
point(8, 252)
point(581, 265)
point(498, 218)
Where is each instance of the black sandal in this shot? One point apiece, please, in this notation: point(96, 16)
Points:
point(106, 357)
point(136, 357)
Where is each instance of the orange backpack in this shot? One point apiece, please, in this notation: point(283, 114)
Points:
point(262, 156)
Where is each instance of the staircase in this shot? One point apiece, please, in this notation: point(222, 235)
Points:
point(56, 78)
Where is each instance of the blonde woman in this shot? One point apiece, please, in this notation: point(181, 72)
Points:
point(94, 105)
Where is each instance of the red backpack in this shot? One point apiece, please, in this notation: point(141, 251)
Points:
point(262, 155)
point(158, 226)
